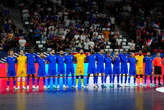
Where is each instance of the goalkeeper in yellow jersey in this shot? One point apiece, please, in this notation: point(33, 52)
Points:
point(80, 66)
point(139, 65)
point(21, 68)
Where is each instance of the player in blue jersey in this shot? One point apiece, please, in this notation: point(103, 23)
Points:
point(51, 60)
point(100, 66)
point(42, 67)
point(69, 68)
point(124, 66)
point(132, 69)
point(116, 67)
point(10, 66)
point(61, 67)
point(31, 59)
point(108, 68)
point(91, 57)
point(148, 67)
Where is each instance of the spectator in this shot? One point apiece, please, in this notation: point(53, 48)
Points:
point(22, 43)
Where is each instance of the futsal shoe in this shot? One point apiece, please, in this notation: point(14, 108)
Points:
point(27, 87)
point(18, 88)
point(7, 88)
point(105, 86)
point(111, 85)
point(45, 87)
point(141, 84)
point(144, 85)
point(54, 87)
point(135, 85)
point(151, 85)
point(118, 85)
point(33, 87)
point(102, 86)
point(24, 87)
point(94, 86)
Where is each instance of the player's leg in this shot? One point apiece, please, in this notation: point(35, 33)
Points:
point(88, 79)
point(77, 75)
point(159, 77)
point(82, 77)
point(141, 77)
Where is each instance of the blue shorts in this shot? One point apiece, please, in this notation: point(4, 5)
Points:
point(91, 70)
point(11, 73)
point(61, 70)
point(132, 72)
point(31, 70)
point(148, 71)
point(116, 70)
point(51, 72)
point(41, 72)
point(108, 71)
point(124, 69)
point(70, 70)
point(100, 69)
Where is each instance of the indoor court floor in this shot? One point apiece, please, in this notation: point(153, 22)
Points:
point(84, 99)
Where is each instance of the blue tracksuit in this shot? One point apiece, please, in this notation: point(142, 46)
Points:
point(41, 69)
point(91, 64)
point(132, 68)
point(11, 66)
point(124, 61)
point(108, 65)
point(69, 64)
point(52, 65)
point(31, 59)
point(100, 63)
point(61, 68)
point(148, 65)
point(116, 65)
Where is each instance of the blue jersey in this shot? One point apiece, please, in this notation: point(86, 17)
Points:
point(148, 65)
point(31, 59)
point(69, 64)
point(11, 61)
point(52, 64)
point(61, 68)
point(132, 68)
point(100, 63)
point(116, 65)
point(91, 64)
point(41, 69)
point(108, 65)
point(124, 61)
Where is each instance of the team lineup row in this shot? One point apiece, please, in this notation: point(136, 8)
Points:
point(95, 66)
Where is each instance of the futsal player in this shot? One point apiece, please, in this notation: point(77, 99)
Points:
point(51, 59)
point(21, 68)
point(139, 66)
point(61, 67)
point(91, 57)
point(148, 67)
point(69, 68)
point(100, 66)
point(31, 59)
point(10, 67)
point(80, 57)
point(157, 64)
point(124, 65)
point(116, 67)
point(41, 69)
point(108, 69)
point(132, 69)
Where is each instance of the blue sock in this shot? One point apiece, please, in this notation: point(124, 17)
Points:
point(72, 79)
point(58, 80)
point(110, 76)
point(14, 83)
point(102, 79)
point(118, 79)
point(129, 79)
point(105, 78)
point(66, 81)
point(145, 78)
point(28, 79)
point(88, 80)
point(121, 79)
point(38, 81)
point(134, 80)
point(8, 82)
point(113, 79)
point(125, 78)
point(96, 79)
point(44, 81)
point(150, 79)
point(33, 80)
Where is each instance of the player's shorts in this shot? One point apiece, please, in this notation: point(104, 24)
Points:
point(158, 70)
point(11, 73)
point(51, 72)
point(21, 73)
point(91, 70)
point(148, 71)
point(132, 72)
point(61, 70)
point(80, 70)
point(41, 74)
point(116, 70)
point(139, 70)
point(31, 70)
point(100, 69)
point(70, 70)
point(124, 69)
point(108, 71)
